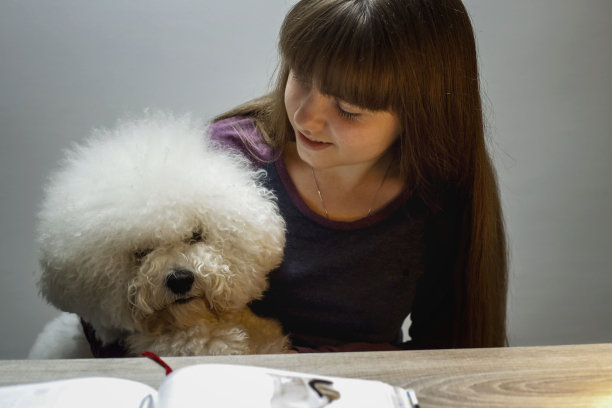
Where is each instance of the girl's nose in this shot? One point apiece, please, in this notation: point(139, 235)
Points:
point(310, 114)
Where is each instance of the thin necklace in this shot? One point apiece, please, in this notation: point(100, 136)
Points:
point(382, 181)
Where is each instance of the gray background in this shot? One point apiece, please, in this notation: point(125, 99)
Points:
point(69, 66)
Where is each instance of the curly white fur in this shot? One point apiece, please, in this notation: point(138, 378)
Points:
point(133, 208)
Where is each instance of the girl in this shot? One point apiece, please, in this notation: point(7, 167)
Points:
point(373, 142)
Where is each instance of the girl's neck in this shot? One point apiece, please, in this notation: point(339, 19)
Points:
point(344, 193)
point(354, 177)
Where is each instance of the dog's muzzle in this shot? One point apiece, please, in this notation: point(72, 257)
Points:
point(180, 281)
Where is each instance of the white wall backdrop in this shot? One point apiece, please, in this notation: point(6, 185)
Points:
point(68, 66)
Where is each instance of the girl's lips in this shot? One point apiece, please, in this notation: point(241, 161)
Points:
point(311, 144)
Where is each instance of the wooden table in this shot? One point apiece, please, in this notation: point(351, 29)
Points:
point(552, 376)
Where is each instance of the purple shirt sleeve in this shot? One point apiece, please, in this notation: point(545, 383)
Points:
point(240, 134)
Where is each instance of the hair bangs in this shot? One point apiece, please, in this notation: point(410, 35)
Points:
point(345, 49)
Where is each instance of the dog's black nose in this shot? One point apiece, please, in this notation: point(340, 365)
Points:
point(180, 281)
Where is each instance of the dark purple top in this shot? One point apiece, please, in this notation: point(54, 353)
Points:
point(345, 285)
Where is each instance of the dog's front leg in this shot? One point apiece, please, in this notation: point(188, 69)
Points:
point(217, 339)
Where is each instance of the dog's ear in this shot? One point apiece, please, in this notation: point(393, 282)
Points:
point(251, 252)
point(89, 287)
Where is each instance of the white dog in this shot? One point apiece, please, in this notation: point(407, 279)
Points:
point(154, 240)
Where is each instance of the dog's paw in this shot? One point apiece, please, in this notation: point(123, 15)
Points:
point(228, 341)
point(194, 341)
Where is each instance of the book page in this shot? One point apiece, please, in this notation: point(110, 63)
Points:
point(211, 386)
point(219, 385)
point(93, 392)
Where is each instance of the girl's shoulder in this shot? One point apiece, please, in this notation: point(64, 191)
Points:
point(241, 134)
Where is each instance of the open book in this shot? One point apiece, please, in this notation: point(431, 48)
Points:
point(212, 385)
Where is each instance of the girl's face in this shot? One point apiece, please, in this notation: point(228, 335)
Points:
point(330, 132)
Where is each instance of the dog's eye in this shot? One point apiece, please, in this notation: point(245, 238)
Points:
point(140, 255)
point(197, 236)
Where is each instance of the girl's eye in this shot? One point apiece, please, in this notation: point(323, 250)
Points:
point(346, 114)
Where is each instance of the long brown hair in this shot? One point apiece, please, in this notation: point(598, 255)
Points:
point(416, 58)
